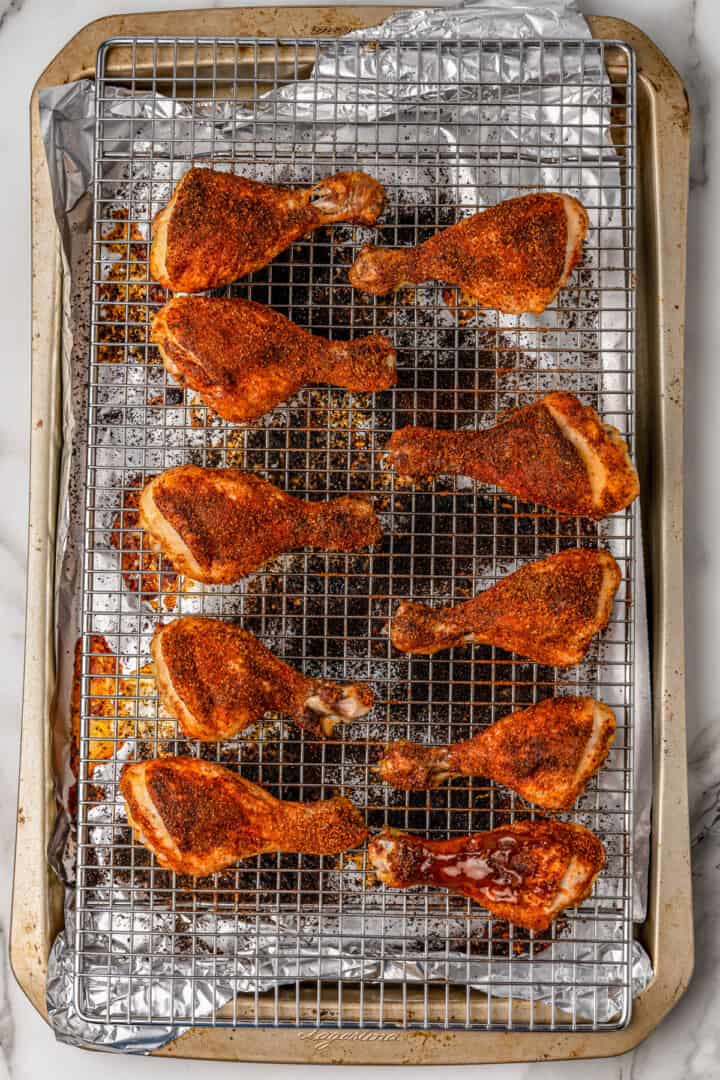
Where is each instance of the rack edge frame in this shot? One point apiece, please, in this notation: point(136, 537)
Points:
point(663, 181)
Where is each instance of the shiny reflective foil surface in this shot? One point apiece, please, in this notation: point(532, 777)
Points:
point(141, 956)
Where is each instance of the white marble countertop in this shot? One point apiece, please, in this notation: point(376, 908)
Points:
point(687, 1044)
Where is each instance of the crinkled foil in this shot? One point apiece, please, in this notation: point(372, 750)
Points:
point(67, 117)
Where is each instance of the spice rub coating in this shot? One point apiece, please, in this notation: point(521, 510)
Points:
point(556, 452)
point(546, 753)
point(527, 872)
point(548, 611)
point(216, 678)
point(244, 358)
point(218, 227)
point(198, 817)
point(218, 525)
point(514, 257)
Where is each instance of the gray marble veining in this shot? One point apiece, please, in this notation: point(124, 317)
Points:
point(10, 9)
point(6, 1023)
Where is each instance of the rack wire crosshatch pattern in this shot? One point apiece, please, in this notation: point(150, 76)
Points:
point(300, 940)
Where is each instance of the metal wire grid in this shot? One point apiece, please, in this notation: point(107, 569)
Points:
point(152, 947)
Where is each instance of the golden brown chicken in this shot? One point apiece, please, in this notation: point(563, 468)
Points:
point(514, 257)
point(556, 452)
point(218, 525)
point(526, 873)
point(217, 679)
point(218, 227)
point(548, 611)
point(546, 753)
point(244, 358)
point(198, 817)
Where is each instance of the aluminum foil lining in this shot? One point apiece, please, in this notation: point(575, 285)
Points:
point(233, 969)
point(67, 120)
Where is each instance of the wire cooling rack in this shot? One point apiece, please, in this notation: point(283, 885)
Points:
point(300, 940)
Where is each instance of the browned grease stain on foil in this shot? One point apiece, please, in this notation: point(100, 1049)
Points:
point(144, 571)
point(126, 298)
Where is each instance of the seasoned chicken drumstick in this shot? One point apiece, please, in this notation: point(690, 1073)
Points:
point(218, 525)
point(514, 257)
point(217, 679)
point(244, 358)
point(546, 753)
point(556, 452)
point(526, 873)
point(218, 227)
point(198, 817)
point(548, 611)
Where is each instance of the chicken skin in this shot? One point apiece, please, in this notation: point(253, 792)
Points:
point(219, 227)
point(546, 753)
point(514, 257)
point(526, 873)
point(198, 817)
point(547, 611)
point(218, 525)
point(556, 452)
point(216, 678)
point(244, 358)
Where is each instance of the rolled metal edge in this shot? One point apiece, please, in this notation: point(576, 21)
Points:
point(663, 145)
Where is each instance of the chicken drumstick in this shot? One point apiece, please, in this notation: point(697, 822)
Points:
point(526, 873)
point(217, 679)
point(244, 358)
point(514, 257)
point(198, 817)
point(548, 611)
point(556, 452)
point(218, 227)
point(218, 525)
point(546, 753)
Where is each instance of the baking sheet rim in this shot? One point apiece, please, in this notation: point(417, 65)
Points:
point(668, 930)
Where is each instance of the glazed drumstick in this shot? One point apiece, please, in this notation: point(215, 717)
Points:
point(218, 525)
point(514, 257)
point(217, 679)
point(548, 611)
point(198, 817)
point(218, 227)
point(244, 358)
point(526, 873)
point(546, 753)
point(556, 452)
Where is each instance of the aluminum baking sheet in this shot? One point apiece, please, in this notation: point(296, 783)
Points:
point(325, 612)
